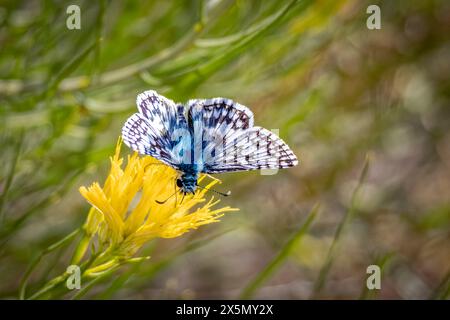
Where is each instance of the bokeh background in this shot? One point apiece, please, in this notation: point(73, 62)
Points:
point(366, 111)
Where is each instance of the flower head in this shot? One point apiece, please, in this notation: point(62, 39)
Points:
point(125, 214)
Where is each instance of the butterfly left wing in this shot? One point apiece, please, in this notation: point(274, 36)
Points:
point(153, 131)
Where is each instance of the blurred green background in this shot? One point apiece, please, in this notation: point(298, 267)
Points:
point(342, 96)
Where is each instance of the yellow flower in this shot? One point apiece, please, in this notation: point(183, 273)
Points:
point(124, 212)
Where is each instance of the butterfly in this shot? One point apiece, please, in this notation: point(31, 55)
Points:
point(203, 136)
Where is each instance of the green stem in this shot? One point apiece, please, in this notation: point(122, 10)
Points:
point(94, 281)
point(35, 263)
point(53, 283)
point(81, 249)
point(49, 286)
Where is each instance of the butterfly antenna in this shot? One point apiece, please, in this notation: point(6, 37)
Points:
point(162, 202)
point(218, 192)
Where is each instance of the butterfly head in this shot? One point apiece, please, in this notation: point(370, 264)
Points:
point(187, 182)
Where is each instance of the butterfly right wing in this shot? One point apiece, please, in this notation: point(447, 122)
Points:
point(224, 135)
point(249, 149)
point(212, 119)
point(159, 129)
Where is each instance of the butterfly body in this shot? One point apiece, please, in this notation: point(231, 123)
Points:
point(204, 136)
point(187, 180)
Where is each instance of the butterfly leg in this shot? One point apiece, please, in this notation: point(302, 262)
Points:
point(212, 178)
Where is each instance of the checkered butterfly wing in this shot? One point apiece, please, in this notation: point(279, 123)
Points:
point(229, 142)
point(151, 130)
